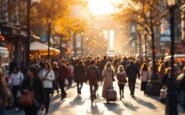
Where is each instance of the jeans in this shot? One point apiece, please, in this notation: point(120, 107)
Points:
point(93, 89)
point(1, 111)
point(131, 84)
point(32, 110)
point(47, 91)
point(15, 90)
point(79, 87)
point(62, 88)
point(183, 101)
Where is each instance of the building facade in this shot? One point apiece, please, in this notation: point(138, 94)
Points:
point(12, 27)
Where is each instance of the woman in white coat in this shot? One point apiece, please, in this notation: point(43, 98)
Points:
point(47, 76)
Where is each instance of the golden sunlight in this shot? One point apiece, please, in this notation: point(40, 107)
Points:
point(98, 7)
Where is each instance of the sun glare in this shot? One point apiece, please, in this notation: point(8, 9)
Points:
point(98, 7)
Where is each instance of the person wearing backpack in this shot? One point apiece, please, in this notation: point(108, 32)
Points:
point(93, 75)
point(16, 79)
point(47, 77)
point(5, 94)
point(122, 80)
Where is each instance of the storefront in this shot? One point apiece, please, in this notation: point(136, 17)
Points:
point(14, 41)
point(183, 21)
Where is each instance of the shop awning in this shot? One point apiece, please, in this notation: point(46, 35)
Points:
point(37, 46)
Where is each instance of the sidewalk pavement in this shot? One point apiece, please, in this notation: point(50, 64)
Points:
point(81, 105)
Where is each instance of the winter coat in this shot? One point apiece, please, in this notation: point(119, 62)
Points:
point(93, 74)
point(63, 73)
point(145, 76)
point(121, 76)
point(108, 81)
point(5, 94)
point(49, 75)
point(37, 88)
point(80, 73)
point(132, 72)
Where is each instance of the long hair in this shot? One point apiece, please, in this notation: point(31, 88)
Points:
point(161, 67)
point(48, 64)
point(167, 70)
point(144, 67)
point(108, 65)
point(1, 74)
point(120, 68)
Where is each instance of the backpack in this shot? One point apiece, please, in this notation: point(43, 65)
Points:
point(92, 75)
point(122, 78)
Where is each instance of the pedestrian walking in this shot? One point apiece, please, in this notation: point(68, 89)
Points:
point(63, 73)
point(70, 74)
point(47, 77)
point(5, 94)
point(33, 85)
point(132, 72)
point(93, 75)
point(79, 76)
point(55, 82)
point(122, 80)
point(144, 77)
point(161, 71)
point(16, 79)
point(182, 88)
point(107, 75)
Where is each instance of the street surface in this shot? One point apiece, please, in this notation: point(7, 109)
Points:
point(76, 105)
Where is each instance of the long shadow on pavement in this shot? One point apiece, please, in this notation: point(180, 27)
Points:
point(114, 107)
point(130, 106)
point(147, 104)
point(94, 110)
point(77, 101)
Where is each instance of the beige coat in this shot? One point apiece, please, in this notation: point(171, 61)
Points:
point(108, 80)
point(5, 93)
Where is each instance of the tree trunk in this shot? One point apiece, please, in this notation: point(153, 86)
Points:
point(153, 54)
point(49, 43)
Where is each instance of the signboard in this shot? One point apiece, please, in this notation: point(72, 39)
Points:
point(78, 41)
point(165, 30)
point(43, 38)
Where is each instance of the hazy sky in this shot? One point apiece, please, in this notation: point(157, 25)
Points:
point(102, 6)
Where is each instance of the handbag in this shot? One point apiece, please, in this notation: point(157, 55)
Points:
point(27, 99)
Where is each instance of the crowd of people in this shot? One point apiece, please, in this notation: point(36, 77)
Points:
point(33, 89)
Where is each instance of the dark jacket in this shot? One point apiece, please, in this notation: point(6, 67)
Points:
point(182, 85)
point(132, 72)
point(79, 73)
point(37, 87)
point(63, 73)
point(93, 74)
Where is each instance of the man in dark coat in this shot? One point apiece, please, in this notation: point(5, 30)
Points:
point(93, 75)
point(63, 73)
point(132, 72)
point(79, 76)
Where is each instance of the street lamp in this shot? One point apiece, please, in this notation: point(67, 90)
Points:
point(171, 102)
